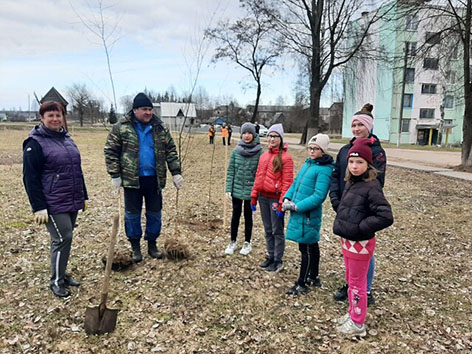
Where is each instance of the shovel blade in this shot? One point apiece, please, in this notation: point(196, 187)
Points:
point(95, 323)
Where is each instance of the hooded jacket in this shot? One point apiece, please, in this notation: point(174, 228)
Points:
point(308, 192)
point(272, 184)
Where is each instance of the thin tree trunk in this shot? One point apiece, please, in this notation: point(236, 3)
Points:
point(256, 105)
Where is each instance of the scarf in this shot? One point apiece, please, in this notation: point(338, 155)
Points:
point(248, 150)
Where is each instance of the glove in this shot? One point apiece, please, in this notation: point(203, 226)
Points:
point(178, 181)
point(280, 214)
point(85, 206)
point(253, 208)
point(41, 216)
point(228, 196)
point(286, 205)
point(289, 205)
point(116, 183)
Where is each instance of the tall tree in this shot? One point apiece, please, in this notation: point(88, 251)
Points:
point(103, 28)
point(325, 35)
point(249, 42)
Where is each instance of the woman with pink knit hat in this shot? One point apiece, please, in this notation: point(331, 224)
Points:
point(362, 125)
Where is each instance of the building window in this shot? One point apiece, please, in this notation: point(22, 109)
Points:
point(450, 77)
point(411, 49)
point(407, 100)
point(431, 63)
point(433, 38)
point(410, 75)
point(412, 22)
point(426, 113)
point(448, 121)
point(428, 88)
point(405, 125)
point(449, 101)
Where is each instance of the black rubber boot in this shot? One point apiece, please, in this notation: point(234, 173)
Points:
point(153, 251)
point(137, 256)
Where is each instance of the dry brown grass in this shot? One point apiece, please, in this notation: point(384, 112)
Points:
point(212, 303)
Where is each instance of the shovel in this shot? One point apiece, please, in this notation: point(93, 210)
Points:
point(99, 319)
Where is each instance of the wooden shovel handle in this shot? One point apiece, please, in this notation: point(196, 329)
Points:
point(111, 252)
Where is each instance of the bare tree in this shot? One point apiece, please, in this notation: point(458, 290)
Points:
point(80, 98)
point(100, 27)
point(324, 35)
point(249, 42)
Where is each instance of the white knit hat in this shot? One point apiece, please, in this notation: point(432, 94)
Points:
point(322, 140)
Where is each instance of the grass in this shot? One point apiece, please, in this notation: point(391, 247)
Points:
point(213, 304)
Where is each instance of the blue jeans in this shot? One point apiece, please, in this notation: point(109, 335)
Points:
point(370, 273)
point(133, 209)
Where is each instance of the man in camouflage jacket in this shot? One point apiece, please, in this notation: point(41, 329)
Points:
point(136, 153)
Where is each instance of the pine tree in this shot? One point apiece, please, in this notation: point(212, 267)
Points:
point(112, 118)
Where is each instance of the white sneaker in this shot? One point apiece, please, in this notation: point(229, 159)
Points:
point(343, 320)
point(231, 247)
point(352, 329)
point(247, 248)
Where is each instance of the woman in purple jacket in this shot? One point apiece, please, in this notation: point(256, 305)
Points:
point(53, 179)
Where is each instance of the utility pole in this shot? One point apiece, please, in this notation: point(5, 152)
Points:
point(402, 100)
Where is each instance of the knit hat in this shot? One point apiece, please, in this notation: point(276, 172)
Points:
point(248, 128)
point(365, 117)
point(141, 100)
point(276, 128)
point(322, 140)
point(361, 148)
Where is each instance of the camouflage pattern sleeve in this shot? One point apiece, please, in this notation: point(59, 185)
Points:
point(112, 149)
point(172, 158)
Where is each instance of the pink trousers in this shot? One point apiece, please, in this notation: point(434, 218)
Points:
point(356, 278)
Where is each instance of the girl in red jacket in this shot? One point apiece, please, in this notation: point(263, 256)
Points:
point(273, 179)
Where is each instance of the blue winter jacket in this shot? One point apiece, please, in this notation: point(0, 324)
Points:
point(308, 192)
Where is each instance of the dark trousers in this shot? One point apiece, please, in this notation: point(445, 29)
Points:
point(310, 262)
point(224, 141)
point(229, 138)
point(133, 208)
point(237, 209)
point(212, 139)
point(273, 227)
point(60, 227)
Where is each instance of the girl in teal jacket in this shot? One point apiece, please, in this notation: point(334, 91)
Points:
point(239, 181)
point(305, 199)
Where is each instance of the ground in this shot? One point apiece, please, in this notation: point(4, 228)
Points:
point(213, 303)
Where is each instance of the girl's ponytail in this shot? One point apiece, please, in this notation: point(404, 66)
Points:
point(277, 162)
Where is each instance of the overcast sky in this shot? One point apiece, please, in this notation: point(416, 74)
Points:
point(44, 44)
